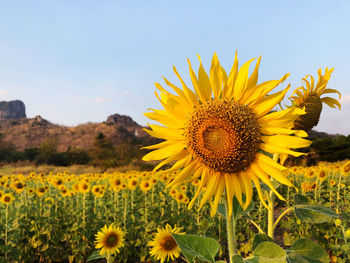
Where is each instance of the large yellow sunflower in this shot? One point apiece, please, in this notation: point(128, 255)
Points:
point(109, 240)
point(310, 98)
point(221, 132)
point(163, 246)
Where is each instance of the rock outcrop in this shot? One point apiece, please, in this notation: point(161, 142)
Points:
point(10, 110)
point(122, 120)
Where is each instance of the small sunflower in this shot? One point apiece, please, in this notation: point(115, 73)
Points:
point(310, 98)
point(7, 198)
point(322, 175)
point(221, 132)
point(40, 191)
point(18, 187)
point(332, 182)
point(84, 187)
point(346, 169)
point(163, 246)
point(145, 185)
point(109, 240)
point(132, 183)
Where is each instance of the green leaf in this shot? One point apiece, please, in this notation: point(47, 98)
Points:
point(301, 199)
point(259, 239)
point(237, 210)
point(265, 187)
point(237, 259)
point(202, 248)
point(314, 213)
point(95, 255)
point(221, 210)
point(307, 251)
point(268, 252)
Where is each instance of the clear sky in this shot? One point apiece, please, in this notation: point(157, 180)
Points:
point(77, 61)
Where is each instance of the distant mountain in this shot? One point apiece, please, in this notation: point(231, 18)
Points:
point(12, 110)
point(28, 133)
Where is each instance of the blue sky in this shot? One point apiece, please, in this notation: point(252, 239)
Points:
point(77, 61)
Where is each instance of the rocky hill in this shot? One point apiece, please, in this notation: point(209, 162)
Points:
point(12, 110)
point(26, 133)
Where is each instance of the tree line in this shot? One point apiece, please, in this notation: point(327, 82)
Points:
point(101, 154)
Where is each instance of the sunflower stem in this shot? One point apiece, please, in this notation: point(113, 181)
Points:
point(6, 226)
point(231, 233)
point(271, 204)
point(270, 214)
point(338, 193)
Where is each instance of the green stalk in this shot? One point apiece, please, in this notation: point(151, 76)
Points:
point(271, 204)
point(6, 226)
point(281, 215)
point(231, 233)
point(84, 211)
point(270, 214)
point(338, 193)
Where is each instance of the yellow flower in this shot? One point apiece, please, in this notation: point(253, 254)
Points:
point(163, 246)
point(109, 240)
point(7, 198)
point(116, 183)
point(132, 183)
point(84, 187)
point(18, 186)
point(332, 182)
point(40, 191)
point(219, 133)
point(310, 98)
point(337, 222)
point(347, 234)
point(346, 168)
point(145, 185)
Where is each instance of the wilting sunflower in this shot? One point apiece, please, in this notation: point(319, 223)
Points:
point(219, 132)
point(109, 240)
point(163, 246)
point(310, 98)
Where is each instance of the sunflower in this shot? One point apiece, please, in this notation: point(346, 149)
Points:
point(7, 198)
point(116, 183)
point(145, 185)
point(40, 191)
point(132, 183)
point(222, 131)
point(84, 187)
point(346, 169)
point(322, 175)
point(109, 240)
point(310, 98)
point(163, 246)
point(332, 182)
point(18, 187)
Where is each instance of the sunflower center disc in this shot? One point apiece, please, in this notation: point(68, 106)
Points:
point(168, 243)
point(112, 240)
point(223, 135)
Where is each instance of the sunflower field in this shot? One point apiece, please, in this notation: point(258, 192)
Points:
point(55, 217)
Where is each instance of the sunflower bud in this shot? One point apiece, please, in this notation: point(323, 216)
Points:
point(313, 108)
